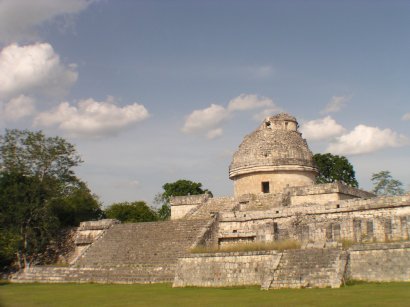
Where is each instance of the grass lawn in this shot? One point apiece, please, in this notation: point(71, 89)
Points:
point(373, 294)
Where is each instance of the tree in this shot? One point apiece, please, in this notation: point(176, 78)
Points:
point(180, 187)
point(39, 193)
point(384, 184)
point(334, 168)
point(27, 222)
point(131, 212)
point(33, 154)
point(80, 205)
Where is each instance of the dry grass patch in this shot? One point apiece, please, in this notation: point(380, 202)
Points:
point(249, 247)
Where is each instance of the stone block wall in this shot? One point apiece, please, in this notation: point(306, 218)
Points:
point(278, 180)
point(182, 205)
point(368, 220)
point(380, 262)
point(87, 233)
point(225, 269)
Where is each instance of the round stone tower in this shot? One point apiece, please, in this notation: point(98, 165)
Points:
point(271, 158)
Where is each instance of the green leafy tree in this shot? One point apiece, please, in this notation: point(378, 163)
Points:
point(27, 220)
point(79, 205)
point(180, 187)
point(33, 154)
point(131, 212)
point(385, 184)
point(38, 188)
point(334, 168)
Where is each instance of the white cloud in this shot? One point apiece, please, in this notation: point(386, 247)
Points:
point(19, 107)
point(364, 139)
point(406, 116)
point(336, 104)
point(205, 119)
point(266, 113)
point(92, 118)
point(20, 18)
point(214, 133)
point(33, 69)
point(248, 102)
point(321, 129)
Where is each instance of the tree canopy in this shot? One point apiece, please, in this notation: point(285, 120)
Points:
point(385, 184)
point(39, 193)
point(180, 187)
point(334, 168)
point(131, 212)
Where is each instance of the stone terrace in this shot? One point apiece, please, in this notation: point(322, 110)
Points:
point(310, 268)
point(128, 253)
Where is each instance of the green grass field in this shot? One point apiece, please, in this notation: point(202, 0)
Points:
point(384, 294)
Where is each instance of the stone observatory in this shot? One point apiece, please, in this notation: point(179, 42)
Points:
point(329, 232)
point(271, 158)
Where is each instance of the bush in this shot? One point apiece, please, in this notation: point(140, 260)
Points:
point(127, 212)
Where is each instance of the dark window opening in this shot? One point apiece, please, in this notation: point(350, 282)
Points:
point(370, 229)
point(267, 124)
point(265, 187)
point(275, 231)
point(357, 229)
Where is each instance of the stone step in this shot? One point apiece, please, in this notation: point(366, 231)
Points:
point(128, 253)
point(309, 268)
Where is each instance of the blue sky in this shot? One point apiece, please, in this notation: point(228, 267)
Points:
point(154, 91)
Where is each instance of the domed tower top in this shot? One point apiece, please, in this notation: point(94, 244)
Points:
point(272, 157)
point(281, 121)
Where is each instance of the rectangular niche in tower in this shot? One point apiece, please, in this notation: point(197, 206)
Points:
point(265, 187)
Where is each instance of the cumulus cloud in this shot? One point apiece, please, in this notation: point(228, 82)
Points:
point(406, 116)
point(336, 104)
point(214, 133)
point(248, 102)
point(364, 139)
point(19, 107)
point(34, 69)
point(321, 129)
point(266, 113)
point(92, 118)
point(19, 18)
point(205, 119)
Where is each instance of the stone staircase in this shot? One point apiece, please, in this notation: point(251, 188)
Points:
point(310, 268)
point(127, 253)
point(205, 210)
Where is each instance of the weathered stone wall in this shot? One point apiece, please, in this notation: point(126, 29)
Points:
point(376, 219)
point(278, 181)
point(214, 205)
point(270, 269)
point(380, 262)
point(225, 269)
point(87, 233)
point(323, 193)
point(252, 202)
point(182, 205)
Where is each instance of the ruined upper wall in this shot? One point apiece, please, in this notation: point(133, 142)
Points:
point(323, 193)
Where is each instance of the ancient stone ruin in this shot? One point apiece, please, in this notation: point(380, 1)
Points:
point(338, 232)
